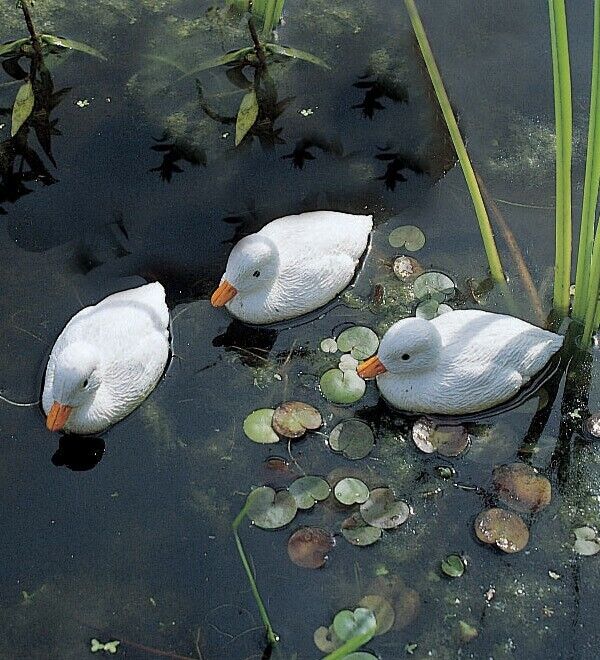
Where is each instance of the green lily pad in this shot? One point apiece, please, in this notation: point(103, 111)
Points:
point(268, 509)
point(453, 566)
point(329, 345)
point(308, 547)
point(504, 529)
point(430, 308)
point(433, 285)
point(350, 491)
point(586, 541)
point(356, 531)
point(326, 640)
point(408, 236)
point(383, 610)
point(360, 655)
point(257, 426)
point(307, 491)
point(382, 510)
point(293, 418)
point(361, 342)
point(348, 624)
point(348, 363)
point(342, 386)
point(353, 438)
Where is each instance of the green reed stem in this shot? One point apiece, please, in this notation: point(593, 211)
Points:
point(272, 636)
point(349, 647)
point(485, 227)
point(564, 137)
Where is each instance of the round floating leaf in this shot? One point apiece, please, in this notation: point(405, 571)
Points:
point(586, 541)
point(293, 418)
point(257, 426)
point(382, 510)
point(348, 624)
point(406, 269)
point(428, 309)
point(350, 491)
point(326, 640)
point(448, 440)
point(408, 236)
point(348, 363)
point(444, 309)
point(361, 342)
point(342, 386)
point(270, 510)
point(308, 547)
point(521, 487)
point(356, 531)
point(382, 609)
point(433, 285)
point(353, 438)
point(329, 345)
point(360, 655)
point(309, 490)
point(502, 528)
point(453, 566)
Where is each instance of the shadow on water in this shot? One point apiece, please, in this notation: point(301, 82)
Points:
point(77, 453)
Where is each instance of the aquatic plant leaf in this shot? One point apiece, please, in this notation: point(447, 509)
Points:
point(361, 342)
point(269, 509)
point(453, 566)
point(342, 386)
point(356, 531)
point(586, 541)
point(296, 54)
point(433, 285)
point(428, 309)
point(228, 58)
point(350, 491)
point(353, 438)
point(293, 418)
point(326, 640)
point(12, 46)
point(444, 309)
point(110, 647)
point(348, 624)
point(309, 490)
point(504, 529)
point(308, 547)
point(348, 363)
point(360, 655)
point(408, 236)
point(407, 269)
point(329, 345)
point(383, 510)
point(258, 426)
point(383, 610)
point(467, 632)
point(448, 440)
point(247, 115)
point(22, 107)
point(521, 487)
point(71, 45)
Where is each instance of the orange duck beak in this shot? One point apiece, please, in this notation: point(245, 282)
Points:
point(224, 293)
point(371, 368)
point(58, 416)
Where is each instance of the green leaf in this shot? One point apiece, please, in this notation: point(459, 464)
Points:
point(12, 46)
point(348, 624)
point(353, 438)
point(257, 426)
point(361, 342)
point(356, 531)
point(342, 386)
point(383, 511)
point(309, 490)
point(247, 115)
point(453, 566)
point(407, 236)
point(269, 509)
point(23, 107)
point(71, 45)
point(296, 54)
point(350, 491)
point(228, 58)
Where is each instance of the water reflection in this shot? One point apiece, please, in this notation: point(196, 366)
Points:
point(78, 453)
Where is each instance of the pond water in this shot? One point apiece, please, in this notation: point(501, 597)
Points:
point(128, 537)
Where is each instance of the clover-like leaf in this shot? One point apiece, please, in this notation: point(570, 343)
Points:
point(348, 624)
point(308, 547)
point(342, 387)
point(309, 490)
point(358, 532)
point(433, 285)
point(329, 345)
point(586, 541)
point(258, 426)
point(361, 342)
point(293, 418)
point(350, 491)
point(353, 438)
point(269, 509)
point(453, 566)
point(504, 529)
point(383, 510)
point(408, 236)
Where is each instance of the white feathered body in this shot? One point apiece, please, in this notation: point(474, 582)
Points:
point(130, 331)
point(318, 255)
point(485, 360)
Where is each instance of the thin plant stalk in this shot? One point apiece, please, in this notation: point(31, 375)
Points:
point(350, 646)
point(485, 227)
point(564, 136)
point(592, 312)
point(272, 636)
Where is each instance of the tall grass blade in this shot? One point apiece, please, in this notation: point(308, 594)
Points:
point(564, 137)
point(485, 227)
point(584, 290)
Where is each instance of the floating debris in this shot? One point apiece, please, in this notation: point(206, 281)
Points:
point(467, 632)
point(361, 342)
point(521, 487)
point(342, 387)
point(109, 647)
point(408, 236)
point(406, 268)
point(383, 510)
point(258, 426)
point(308, 547)
point(453, 566)
point(592, 425)
point(293, 418)
point(502, 528)
point(309, 490)
point(448, 440)
point(586, 541)
point(352, 438)
point(356, 531)
point(350, 491)
point(268, 509)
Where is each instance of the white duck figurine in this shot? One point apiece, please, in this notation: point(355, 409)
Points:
point(107, 360)
point(460, 362)
point(292, 266)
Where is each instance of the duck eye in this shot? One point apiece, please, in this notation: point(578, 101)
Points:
point(86, 382)
point(256, 273)
point(405, 356)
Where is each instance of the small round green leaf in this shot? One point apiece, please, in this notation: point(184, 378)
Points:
point(270, 510)
point(353, 438)
point(586, 541)
point(356, 531)
point(408, 236)
point(350, 491)
point(453, 566)
point(382, 609)
point(382, 510)
point(348, 624)
point(329, 345)
point(307, 491)
point(257, 426)
point(361, 342)
point(360, 655)
point(342, 386)
point(433, 285)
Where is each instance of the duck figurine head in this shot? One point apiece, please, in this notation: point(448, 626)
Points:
point(76, 379)
point(252, 268)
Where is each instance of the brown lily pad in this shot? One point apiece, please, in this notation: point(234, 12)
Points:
point(405, 601)
point(504, 529)
point(293, 418)
point(406, 268)
point(308, 547)
point(521, 487)
point(448, 440)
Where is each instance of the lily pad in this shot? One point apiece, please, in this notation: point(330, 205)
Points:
point(308, 547)
point(383, 610)
point(521, 487)
point(257, 426)
point(342, 386)
point(356, 531)
point(348, 624)
point(448, 440)
point(407, 269)
point(360, 655)
point(268, 509)
point(504, 529)
point(383, 510)
point(433, 285)
point(361, 342)
point(350, 491)
point(348, 363)
point(429, 309)
point(329, 345)
point(408, 236)
point(353, 438)
point(307, 491)
point(326, 640)
point(453, 566)
point(586, 541)
point(293, 418)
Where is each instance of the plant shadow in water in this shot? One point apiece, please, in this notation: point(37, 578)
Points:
point(302, 151)
point(397, 164)
point(172, 153)
point(374, 90)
